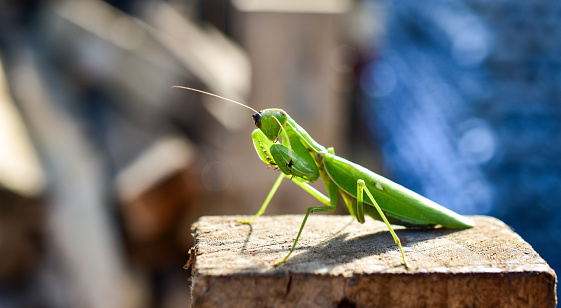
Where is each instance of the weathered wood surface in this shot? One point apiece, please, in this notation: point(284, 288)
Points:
point(341, 263)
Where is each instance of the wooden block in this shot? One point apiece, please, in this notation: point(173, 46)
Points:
point(340, 263)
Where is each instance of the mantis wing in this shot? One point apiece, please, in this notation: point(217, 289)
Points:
point(401, 205)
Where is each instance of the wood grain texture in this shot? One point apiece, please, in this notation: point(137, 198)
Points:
point(341, 263)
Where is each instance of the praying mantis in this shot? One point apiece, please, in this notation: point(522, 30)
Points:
point(281, 143)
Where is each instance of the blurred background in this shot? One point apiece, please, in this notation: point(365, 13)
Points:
point(104, 166)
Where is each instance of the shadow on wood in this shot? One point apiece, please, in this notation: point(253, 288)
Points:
point(346, 247)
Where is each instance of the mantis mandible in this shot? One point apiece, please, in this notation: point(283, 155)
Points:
point(280, 142)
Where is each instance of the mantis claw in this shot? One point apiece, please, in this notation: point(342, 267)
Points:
point(244, 221)
point(283, 260)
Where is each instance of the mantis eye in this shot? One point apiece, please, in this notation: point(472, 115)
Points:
point(257, 119)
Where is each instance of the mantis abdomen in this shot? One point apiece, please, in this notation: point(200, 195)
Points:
point(400, 205)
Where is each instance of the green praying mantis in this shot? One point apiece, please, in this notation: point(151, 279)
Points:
point(281, 143)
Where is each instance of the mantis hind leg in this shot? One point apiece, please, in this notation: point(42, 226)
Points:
point(361, 187)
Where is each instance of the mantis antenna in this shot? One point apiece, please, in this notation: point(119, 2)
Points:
point(235, 102)
point(218, 96)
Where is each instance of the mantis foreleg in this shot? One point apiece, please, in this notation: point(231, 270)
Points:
point(361, 187)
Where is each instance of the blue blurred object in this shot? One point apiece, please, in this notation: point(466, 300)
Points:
point(465, 99)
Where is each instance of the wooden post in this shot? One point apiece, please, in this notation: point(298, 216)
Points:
point(340, 263)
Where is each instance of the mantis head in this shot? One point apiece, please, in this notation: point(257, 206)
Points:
point(270, 122)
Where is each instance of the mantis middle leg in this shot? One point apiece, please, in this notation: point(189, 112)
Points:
point(309, 189)
point(331, 205)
